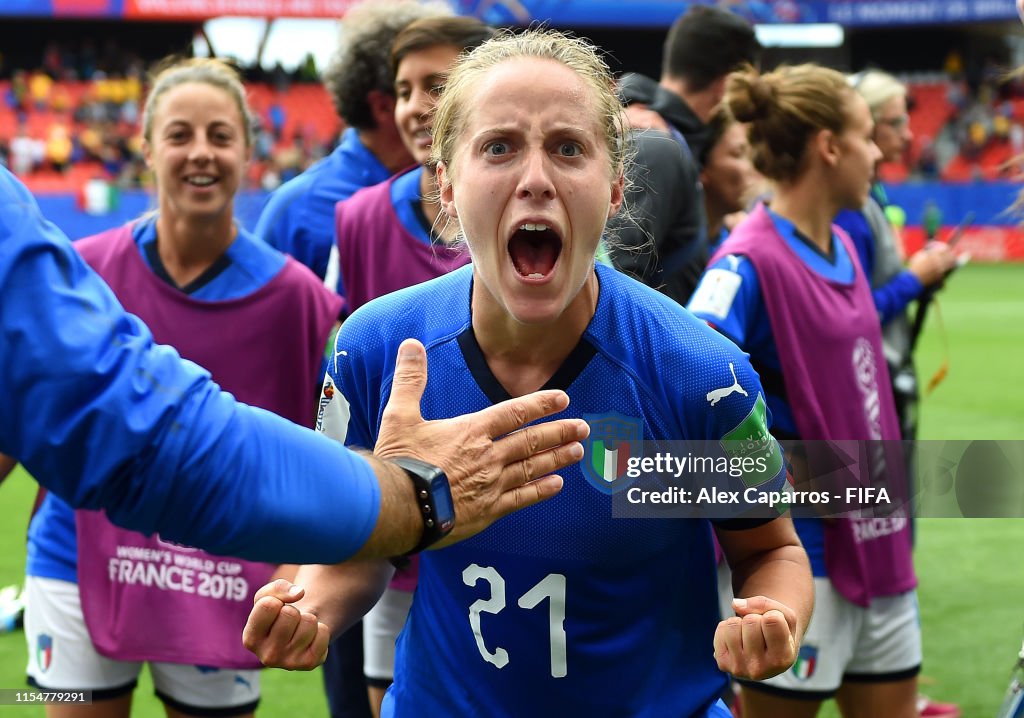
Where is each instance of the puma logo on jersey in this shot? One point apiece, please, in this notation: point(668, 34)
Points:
point(339, 353)
point(717, 395)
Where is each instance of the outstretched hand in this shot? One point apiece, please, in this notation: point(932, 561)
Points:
point(282, 635)
point(760, 641)
point(494, 466)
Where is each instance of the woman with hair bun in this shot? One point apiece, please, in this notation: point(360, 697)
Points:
point(787, 287)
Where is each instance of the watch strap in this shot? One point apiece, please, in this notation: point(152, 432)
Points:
point(426, 479)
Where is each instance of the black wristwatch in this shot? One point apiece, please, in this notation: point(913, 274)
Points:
point(434, 498)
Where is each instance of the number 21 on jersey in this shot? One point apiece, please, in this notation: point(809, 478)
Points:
point(551, 587)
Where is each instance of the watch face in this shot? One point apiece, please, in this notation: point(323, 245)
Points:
point(444, 508)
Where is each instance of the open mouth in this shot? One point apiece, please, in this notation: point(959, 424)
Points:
point(534, 249)
point(201, 180)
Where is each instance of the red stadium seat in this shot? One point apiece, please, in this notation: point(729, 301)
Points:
point(959, 169)
point(931, 108)
point(893, 172)
point(994, 160)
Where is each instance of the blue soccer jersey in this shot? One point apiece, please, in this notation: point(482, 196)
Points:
point(562, 609)
point(299, 216)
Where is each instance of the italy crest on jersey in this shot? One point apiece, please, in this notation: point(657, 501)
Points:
point(613, 439)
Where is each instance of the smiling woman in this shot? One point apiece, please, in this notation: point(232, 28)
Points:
point(529, 141)
point(197, 141)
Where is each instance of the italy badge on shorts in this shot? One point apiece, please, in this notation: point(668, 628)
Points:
point(806, 661)
point(613, 439)
point(44, 652)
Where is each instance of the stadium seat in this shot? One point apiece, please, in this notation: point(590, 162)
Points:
point(959, 169)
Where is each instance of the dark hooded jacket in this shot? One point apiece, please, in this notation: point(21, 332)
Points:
point(663, 241)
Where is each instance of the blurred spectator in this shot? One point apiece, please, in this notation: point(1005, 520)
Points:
point(87, 60)
point(53, 61)
point(263, 146)
point(954, 65)
point(1000, 128)
point(992, 73)
point(927, 160)
point(289, 163)
point(60, 99)
point(276, 116)
point(977, 135)
point(25, 152)
point(129, 112)
point(115, 151)
point(271, 178)
point(39, 86)
point(105, 95)
point(89, 109)
point(116, 95)
point(1017, 138)
point(956, 95)
point(58, 147)
point(17, 94)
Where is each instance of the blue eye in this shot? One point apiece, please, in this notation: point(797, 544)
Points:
point(570, 149)
point(497, 149)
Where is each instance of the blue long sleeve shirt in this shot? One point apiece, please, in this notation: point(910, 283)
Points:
point(105, 418)
point(891, 297)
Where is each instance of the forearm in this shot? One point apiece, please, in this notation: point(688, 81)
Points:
point(399, 522)
point(341, 594)
point(254, 485)
point(337, 504)
point(892, 298)
point(782, 574)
